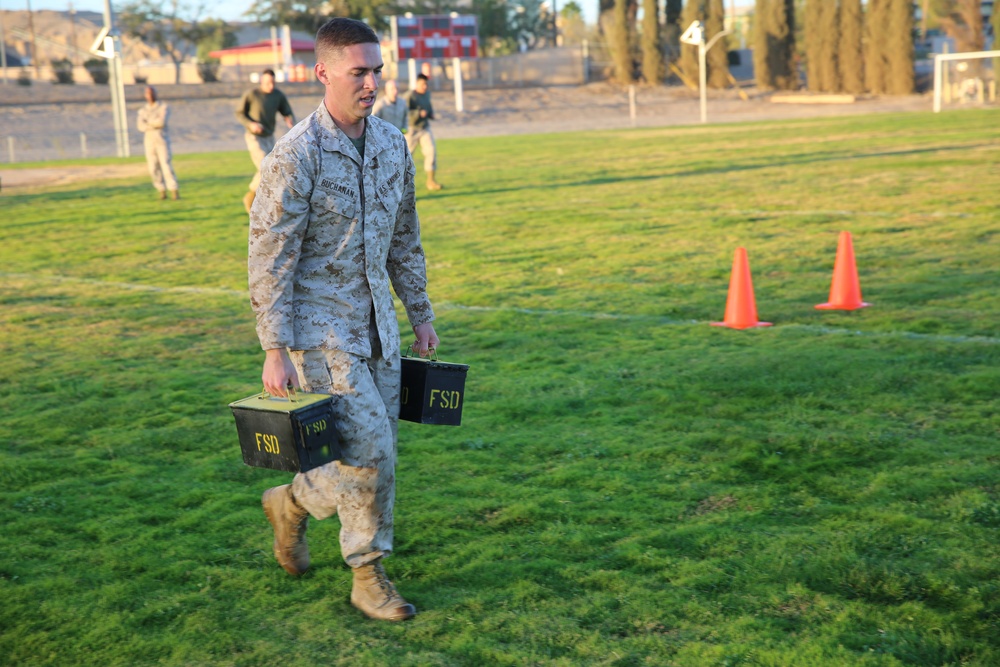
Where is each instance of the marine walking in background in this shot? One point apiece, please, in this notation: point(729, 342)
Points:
point(257, 112)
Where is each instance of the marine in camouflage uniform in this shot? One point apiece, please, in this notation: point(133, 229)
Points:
point(152, 122)
point(334, 224)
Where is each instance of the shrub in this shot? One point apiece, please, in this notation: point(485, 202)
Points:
point(98, 69)
point(62, 69)
point(23, 78)
point(208, 70)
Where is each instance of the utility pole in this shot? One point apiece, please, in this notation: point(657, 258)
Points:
point(108, 46)
point(3, 52)
point(34, 46)
point(72, 36)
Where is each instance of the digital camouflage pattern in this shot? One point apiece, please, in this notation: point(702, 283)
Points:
point(152, 122)
point(361, 487)
point(327, 236)
point(329, 233)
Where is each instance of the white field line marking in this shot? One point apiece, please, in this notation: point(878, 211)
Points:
point(938, 338)
point(126, 286)
point(851, 214)
point(654, 319)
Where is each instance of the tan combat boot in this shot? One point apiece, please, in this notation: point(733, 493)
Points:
point(248, 200)
point(289, 521)
point(376, 597)
point(431, 183)
point(163, 194)
point(175, 195)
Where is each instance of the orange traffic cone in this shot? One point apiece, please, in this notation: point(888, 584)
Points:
point(741, 307)
point(845, 291)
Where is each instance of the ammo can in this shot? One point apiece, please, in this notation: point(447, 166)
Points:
point(431, 391)
point(294, 434)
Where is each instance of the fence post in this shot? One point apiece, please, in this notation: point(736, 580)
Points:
point(456, 66)
point(10, 150)
point(586, 61)
point(489, 73)
point(411, 71)
point(83, 144)
point(631, 104)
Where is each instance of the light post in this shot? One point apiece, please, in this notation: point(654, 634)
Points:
point(695, 35)
point(108, 46)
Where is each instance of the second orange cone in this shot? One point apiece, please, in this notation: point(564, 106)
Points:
point(845, 291)
point(741, 307)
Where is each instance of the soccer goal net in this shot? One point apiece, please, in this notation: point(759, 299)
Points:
point(965, 79)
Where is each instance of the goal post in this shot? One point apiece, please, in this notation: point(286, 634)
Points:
point(974, 77)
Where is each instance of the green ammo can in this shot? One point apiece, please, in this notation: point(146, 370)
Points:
point(294, 434)
point(431, 391)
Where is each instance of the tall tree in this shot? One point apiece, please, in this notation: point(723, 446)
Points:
point(850, 63)
point(652, 53)
point(761, 63)
point(996, 39)
point(166, 24)
point(963, 21)
point(829, 21)
point(717, 58)
point(899, 48)
point(774, 45)
point(876, 26)
point(813, 39)
point(693, 11)
point(306, 15)
point(672, 28)
point(617, 30)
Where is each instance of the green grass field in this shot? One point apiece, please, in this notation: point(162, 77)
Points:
point(630, 485)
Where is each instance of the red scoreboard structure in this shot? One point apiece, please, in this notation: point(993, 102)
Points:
point(444, 36)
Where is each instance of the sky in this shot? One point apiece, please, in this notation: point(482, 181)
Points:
point(232, 10)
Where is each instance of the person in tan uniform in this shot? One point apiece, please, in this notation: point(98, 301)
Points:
point(333, 226)
point(152, 122)
point(391, 107)
point(257, 112)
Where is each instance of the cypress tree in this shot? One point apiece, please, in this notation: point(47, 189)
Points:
point(761, 44)
point(693, 11)
point(875, 36)
point(652, 55)
point(850, 63)
point(899, 52)
point(813, 44)
point(617, 31)
point(996, 41)
point(717, 59)
point(671, 29)
point(829, 21)
point(781, 44)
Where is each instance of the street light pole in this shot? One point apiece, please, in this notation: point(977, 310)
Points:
point(108, 46)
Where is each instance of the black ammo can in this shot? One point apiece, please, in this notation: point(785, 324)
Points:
point(293, 434)
point(432, 392)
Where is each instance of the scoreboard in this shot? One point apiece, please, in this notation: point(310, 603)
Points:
point(438, 36)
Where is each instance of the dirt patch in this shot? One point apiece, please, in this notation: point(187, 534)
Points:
point(18, 179)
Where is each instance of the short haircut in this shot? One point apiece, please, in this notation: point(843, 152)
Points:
point(339, 33)
point(422, 77)
point(268, 71)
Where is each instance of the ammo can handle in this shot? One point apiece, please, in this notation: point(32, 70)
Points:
point(291, 393)
point(433, 351)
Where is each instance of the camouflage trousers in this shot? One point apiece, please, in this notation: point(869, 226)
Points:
point(259, 147)
point(361, 487)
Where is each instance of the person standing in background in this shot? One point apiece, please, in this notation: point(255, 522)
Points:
point(421, 114)
point(391, 107)
point(257, 112)
point(152, 122)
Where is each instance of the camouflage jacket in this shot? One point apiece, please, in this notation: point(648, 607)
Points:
point(327, 236)
point(153, 119)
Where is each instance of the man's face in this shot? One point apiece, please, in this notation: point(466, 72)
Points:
point(420, 86)
point(150, 95)
point(266, 83)
point(351, 76)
